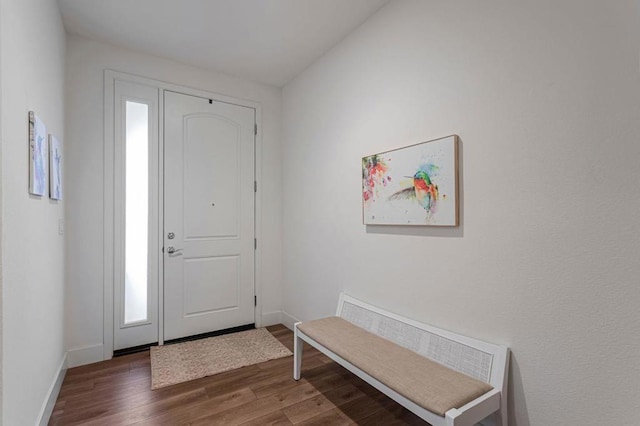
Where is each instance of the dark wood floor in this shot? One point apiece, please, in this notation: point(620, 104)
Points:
point(118, 392)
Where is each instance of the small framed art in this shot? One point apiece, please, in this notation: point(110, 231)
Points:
point(55, 168)
point(38, 164)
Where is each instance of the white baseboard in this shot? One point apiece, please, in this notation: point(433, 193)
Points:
point(289, 320)
point(271, 318)
point(52, 395)
point(87, 355)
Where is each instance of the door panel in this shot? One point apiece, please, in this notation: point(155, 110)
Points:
point(209, 213)
point(210, 284)
point(212, 174)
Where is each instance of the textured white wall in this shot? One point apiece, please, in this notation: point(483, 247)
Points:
point(86, 62)
point(545, 97)
point(1, 219)
point(32, 78)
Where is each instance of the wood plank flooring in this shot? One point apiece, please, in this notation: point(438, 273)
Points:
point(118, 392)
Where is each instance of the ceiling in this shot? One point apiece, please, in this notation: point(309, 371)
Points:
point(268, 41)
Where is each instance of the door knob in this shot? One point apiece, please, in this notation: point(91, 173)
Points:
point(172, 250)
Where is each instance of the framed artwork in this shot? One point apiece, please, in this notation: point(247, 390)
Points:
point(415, 185)
point(38, 164)
point(55, 168)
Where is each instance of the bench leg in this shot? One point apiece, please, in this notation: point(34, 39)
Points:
point(504, 415)
point(297, 353)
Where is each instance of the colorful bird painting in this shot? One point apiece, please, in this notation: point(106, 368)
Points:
point(415, 185)
point(423, 190)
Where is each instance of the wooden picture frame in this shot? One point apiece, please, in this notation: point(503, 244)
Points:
point(414, 185)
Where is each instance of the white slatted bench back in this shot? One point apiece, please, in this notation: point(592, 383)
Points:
point(472, 357)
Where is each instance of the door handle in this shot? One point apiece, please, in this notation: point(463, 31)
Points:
point(172, 250)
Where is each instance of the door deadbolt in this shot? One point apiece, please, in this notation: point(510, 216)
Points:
point(171, 235)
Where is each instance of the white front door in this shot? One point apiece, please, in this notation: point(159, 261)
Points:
point(209, 165)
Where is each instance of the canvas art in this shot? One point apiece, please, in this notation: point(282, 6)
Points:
point(416, 185)
point(38, 165)
point(55, 168)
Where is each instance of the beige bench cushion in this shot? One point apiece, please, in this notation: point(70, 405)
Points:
point(427, 383)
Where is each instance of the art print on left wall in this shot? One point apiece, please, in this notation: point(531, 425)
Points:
point(38, 148)
point(55, 168)
point(416, 185)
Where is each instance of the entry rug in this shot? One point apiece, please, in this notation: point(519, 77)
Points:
point(181, 362)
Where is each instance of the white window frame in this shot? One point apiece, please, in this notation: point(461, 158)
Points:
point(144, 331)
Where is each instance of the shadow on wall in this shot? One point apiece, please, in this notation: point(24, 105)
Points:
point(515, 390)
point(431, 231)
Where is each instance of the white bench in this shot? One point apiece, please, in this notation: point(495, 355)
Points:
point(473, 369)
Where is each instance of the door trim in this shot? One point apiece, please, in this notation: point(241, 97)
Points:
point(110, 77)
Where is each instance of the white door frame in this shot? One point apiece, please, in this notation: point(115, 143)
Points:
point(110, 77)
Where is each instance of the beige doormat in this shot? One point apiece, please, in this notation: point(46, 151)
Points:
point(180, 362)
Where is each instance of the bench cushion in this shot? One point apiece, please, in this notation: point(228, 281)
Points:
point(425, 382)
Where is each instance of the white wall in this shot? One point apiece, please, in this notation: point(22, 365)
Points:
point(86, 62)
point(1, 216)
point(32, 78)
point(545, 97)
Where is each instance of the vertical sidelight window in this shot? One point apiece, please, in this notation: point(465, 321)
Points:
point(136, 231)
point(136, 226)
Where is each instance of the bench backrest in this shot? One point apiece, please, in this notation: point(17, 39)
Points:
point(483, 361)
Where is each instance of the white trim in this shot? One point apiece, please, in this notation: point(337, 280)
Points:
point(160, 210)
point(257, 276)
point(108, 216)
point(85, 355)
point(108, 213)
point(146, 330)
point(52, 395)
point(164, 85)
point(271, 318)
point(289, 320)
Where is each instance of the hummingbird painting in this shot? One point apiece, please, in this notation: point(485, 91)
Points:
point(424, 191)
